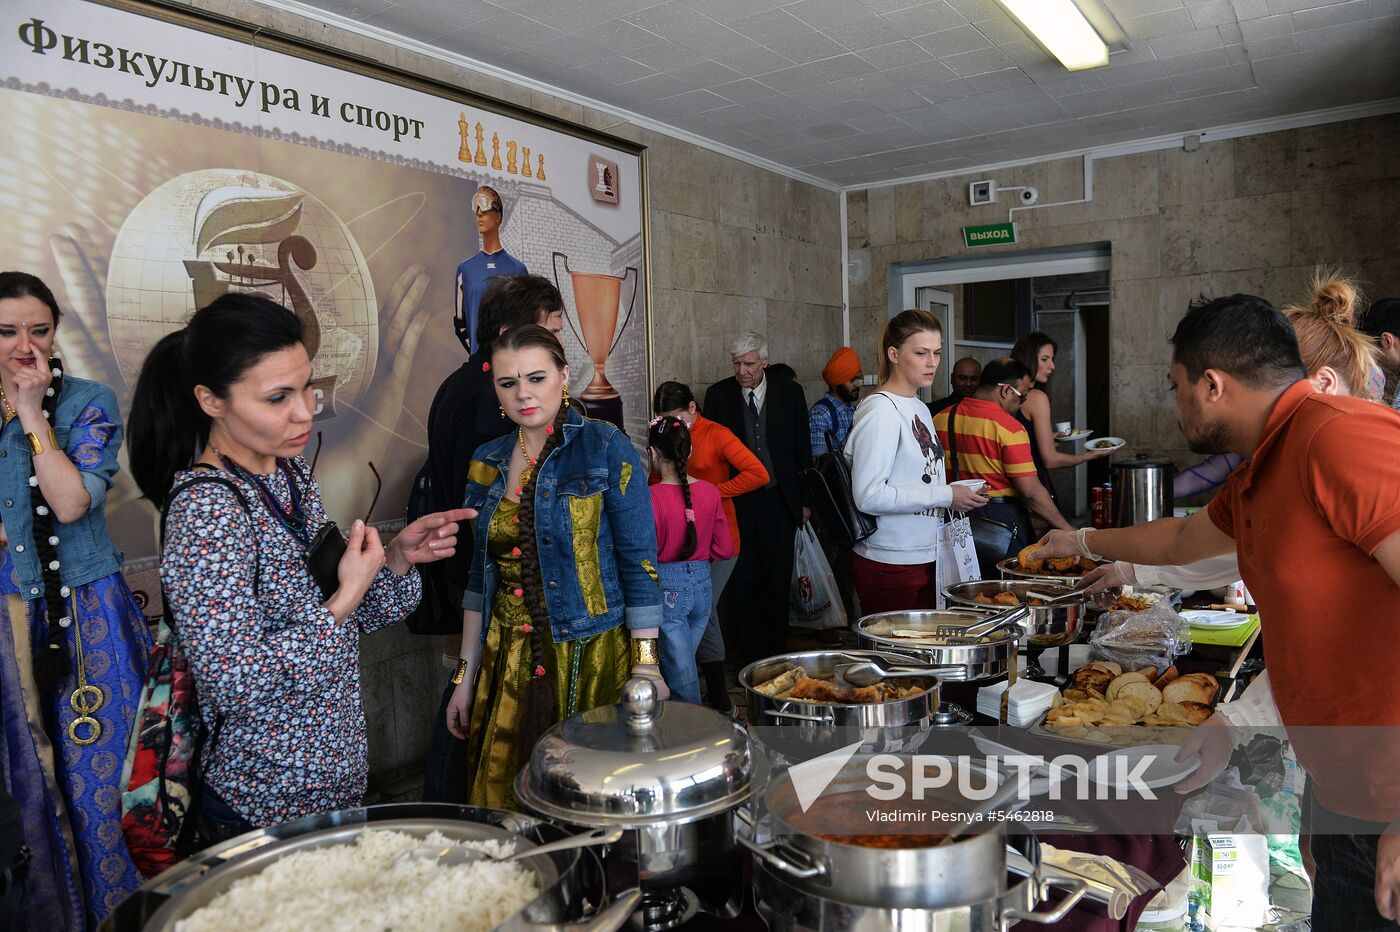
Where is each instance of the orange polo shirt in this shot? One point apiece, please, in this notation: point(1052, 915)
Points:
point(1307, 510)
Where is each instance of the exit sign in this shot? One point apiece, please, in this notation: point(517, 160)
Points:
point(991, 234)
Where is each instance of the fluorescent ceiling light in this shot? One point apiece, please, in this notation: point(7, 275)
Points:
point(1062, 30)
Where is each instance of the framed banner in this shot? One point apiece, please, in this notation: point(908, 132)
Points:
point(157, 159)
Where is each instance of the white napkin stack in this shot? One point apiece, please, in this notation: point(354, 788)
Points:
point(1028, 703)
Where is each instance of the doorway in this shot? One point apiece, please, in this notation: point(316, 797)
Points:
point(986, 304)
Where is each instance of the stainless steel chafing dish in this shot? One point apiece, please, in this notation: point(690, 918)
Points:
point(671, 774)
point(813, 871)
point(913, 634)
point(569, 880)
point(1046, 626)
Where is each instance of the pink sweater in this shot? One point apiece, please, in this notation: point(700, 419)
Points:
point(712, 538)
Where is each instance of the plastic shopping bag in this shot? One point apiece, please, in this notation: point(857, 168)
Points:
point(814, 601)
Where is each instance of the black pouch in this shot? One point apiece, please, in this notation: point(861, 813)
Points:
point(323, 558)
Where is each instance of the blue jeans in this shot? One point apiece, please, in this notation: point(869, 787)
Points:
point(685, 610)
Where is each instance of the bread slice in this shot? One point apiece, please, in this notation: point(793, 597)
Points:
point(1144, 692)
point(1123, 679)
point(1108, 666)
point(1167, 675)
point(1091, 678)
point(1193, 687)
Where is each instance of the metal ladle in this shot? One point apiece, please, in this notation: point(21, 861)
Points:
point(456, 855)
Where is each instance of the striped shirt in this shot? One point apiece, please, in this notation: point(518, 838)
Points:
point(991, 445)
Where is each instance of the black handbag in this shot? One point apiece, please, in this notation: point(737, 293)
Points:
point(991, 538)
point(833, 504)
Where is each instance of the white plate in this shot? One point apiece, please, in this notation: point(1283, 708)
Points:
point(1214, 618)
point(1163, 771)
point(1118, 444)
point(1073, 436)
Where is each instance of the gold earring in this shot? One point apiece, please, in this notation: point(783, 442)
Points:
point(566, 394)
point(503, 410)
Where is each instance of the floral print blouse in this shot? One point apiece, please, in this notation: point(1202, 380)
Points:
point(275, 664)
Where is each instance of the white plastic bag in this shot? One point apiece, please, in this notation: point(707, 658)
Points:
point(957, 552)
point(813, 599)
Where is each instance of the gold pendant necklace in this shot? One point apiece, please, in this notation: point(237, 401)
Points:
point(529, 469)
point(7, 410)
point(86, 699)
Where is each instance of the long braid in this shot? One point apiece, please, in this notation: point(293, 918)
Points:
point(670, 438)
point(540, 698)
point(691, 537)
point(51, 661)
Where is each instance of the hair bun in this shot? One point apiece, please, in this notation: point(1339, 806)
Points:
point(1335, 300)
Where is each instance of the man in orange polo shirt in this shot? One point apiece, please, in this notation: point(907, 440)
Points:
point(993, 446)
point(1314, 517)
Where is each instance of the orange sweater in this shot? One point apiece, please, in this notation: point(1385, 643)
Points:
point(717, 456)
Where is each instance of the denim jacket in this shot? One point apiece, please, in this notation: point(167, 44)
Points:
point(89, 429)
point(593, 525)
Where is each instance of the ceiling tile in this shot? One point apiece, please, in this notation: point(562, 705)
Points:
point(981, 61)
point(1185, 43)
point(744, 91)
point(772, 25)
point(615, 70)
point(706, 73)
point(895, 54)
point(922, 20)
point(868, 33)
point(824, 14)
point(620, 36)
point(1153, 25)
point(952, 41)
point(1197, 61)
point(807, 48)
point(1335, 15)
point(1212, 13)
point(755, 61)
point(977, 11)
point(721, 11)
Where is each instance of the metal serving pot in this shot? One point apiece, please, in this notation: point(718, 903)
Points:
point(671, 774)
point(1046, 626)
point(566, 878)
point(1010, 568)
point(815, 844)
point(769, 710)
point(786, 907)
point(988, 659)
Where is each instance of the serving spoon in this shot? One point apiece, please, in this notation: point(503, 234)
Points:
point(456, 855)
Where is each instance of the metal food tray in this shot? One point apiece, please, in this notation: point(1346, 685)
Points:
point(1141, 735)
point(1011, 566)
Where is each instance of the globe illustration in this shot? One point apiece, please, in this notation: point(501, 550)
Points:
point(219, 230)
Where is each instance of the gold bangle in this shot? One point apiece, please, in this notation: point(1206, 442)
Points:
point(644, 652)
point(461, 672)
point(53, 440)
point(35, 447)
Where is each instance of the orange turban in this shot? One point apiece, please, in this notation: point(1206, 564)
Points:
point(843, 366)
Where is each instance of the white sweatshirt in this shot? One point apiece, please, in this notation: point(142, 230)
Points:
point(897, 475)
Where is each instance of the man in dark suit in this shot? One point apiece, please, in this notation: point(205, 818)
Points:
point(770, 416)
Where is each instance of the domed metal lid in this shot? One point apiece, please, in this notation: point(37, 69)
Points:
point(639, 762)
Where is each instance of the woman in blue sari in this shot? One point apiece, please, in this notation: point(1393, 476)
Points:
point(73, 642)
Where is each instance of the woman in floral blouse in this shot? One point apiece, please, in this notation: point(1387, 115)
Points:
point(276, 664)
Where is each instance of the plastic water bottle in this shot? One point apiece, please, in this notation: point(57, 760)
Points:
point(1193, 919)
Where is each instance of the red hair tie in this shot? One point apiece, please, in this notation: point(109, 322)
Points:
point(690, 514)
point(526, 628)
point(539, 671)
point(486, 367)
point(519, 593)
point(549, 429)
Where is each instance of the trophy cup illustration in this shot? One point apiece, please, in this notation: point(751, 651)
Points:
point(597, 303)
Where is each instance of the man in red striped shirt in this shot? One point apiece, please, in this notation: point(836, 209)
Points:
point(992, 445)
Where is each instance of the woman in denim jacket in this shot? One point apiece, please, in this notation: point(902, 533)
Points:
point(565, 557)
point(73, 642)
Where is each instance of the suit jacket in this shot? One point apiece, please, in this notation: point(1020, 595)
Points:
point(789, 440)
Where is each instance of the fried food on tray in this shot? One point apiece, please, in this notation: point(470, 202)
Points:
point(1009, 599)
point(1027, 564)
point(796, 684)
point(1131, 603)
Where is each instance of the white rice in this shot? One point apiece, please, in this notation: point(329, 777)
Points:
point(359, 887)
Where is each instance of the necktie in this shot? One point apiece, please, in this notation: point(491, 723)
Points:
point(753, 405)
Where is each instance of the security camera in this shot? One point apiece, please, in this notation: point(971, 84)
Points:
point(1029, 196)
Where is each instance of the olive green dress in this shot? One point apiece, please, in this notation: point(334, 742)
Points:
point(590, 673)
